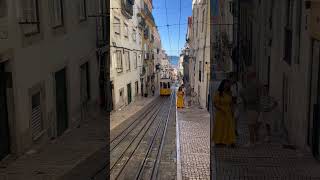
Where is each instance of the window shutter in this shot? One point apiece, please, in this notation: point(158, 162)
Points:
point(36, 118)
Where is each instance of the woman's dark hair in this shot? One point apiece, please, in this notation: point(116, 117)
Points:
point(221, 86)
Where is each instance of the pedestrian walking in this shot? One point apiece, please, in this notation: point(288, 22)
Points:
point(236, 99)
point(152, 89)
point(180, 95)
point(250, 96)
point(267, 106)
point(223, 130)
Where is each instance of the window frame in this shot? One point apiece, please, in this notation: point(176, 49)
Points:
point(135, 60)
point(126, 31)
point(119, 61)
point(134, 35)
point(127, 60)
point(203, 19)
point(36, 13)
point(82, 19)
point(53, 10)
point(117, 25)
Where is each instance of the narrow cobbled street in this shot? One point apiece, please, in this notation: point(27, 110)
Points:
point(263, 161)
point(194, 142)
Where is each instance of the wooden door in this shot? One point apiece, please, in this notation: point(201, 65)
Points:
point(61, 101)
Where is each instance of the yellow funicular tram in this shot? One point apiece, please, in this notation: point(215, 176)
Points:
point(165, 87)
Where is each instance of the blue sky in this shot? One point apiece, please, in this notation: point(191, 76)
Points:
point(173, 8)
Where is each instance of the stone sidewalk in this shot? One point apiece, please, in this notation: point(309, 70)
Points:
point(60, 157)
point(119, 116)
point(194, 131)
point(264, 161)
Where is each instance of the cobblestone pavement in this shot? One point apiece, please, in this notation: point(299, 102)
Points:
point(194, 131)
point(119, 116)
point(65, 157)
point(263, 161)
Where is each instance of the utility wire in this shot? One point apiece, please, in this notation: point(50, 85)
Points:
point(165, 3)
point(179, 29)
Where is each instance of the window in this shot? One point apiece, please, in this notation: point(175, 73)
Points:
point(116, 25)
point(137, 88)
point(126, 30)
point(288, 32)
point(127, 8)
point(3, 8)
point(127, 60)
point(231, 7)
point(82, 10)
point(56, 13)
point(36, 117)
point(30, 14)
point(203, 19)
point(135, 60)
point(119, 61)
point(121, 94)
point(197, 23)
point(289, 12)
point(134, 35)
point(200, 68)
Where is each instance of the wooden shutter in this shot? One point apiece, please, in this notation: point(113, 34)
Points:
point(36, 118)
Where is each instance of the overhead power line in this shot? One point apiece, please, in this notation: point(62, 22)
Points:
point(165, 3)
point(179, 28)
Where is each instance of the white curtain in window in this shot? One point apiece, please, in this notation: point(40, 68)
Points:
point(56, 12)
point(82, 10)
point(29, 14)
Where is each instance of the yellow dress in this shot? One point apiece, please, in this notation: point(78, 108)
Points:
point(224, 127)
point(180, 103)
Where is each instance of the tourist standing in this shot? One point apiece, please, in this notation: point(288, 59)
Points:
point(180, 98)
point(223, 130)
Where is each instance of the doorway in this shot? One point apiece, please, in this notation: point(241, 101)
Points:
point(142, 93)
point(112, 95)
point(84, 83)
point(285, 99)
point(61, 101)
point(4, 119)
point(129, 93)
point(137, 88)
point(314, 100)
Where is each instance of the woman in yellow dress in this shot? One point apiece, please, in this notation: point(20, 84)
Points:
point(180, 100)
point(224, 127)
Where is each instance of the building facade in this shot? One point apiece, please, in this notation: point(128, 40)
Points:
point(280, 40)
point(126, 52)
point(48, 70)
point(147, 25)
point(200, 49)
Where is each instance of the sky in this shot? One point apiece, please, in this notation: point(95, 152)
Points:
point(173, 10)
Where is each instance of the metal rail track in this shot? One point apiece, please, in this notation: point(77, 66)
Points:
point(138, 120)
point(143, 169)
point(134, 125)
point(129, 159)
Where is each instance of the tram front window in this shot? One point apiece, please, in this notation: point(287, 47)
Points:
point(164, 85)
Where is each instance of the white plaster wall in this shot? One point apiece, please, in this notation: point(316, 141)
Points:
point(36, 63)
point(122, 79)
